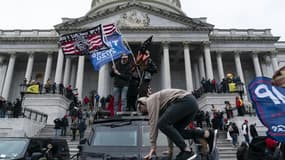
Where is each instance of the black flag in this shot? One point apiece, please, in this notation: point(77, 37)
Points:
point(146, 44)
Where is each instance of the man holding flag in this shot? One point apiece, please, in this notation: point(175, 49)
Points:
point(121, 72)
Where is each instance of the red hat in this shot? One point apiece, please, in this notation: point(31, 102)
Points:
point(271, 143)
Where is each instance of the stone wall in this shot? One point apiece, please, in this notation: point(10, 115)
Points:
point(19, 127)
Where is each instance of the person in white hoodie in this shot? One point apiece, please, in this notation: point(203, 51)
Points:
point(170, 111)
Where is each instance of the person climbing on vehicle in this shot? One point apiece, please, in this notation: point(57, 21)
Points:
point(170, 111)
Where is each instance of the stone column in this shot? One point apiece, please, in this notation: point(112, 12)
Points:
point(103, 83)
point(196, 73)
point(80, 76)
point(188, 69)
point(166, 77)
point(29, 68)
point(201, 67)
point(256, 64)
point(48, 68)
point(3, 68)
point(238, 67)
point(66, 77)
point(73, 74)
point(220, 66)
point(274, 61)
point(59, 65)
point(208, 61)
point(9, 75)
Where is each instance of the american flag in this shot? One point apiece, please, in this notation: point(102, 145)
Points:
point(109, 29)
point(83, 43)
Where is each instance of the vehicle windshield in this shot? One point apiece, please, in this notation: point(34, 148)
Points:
point(120, 136)
point(161, 139)
point(10, 149)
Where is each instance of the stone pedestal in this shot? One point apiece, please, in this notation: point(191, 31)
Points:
point(54, 105)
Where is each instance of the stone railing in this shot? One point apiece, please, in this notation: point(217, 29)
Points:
point(53, 105)
point(241, 32)
point(28, 33)
point(35, 115)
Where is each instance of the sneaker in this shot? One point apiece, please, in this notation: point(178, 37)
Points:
point(186, 155)
point(212, 139)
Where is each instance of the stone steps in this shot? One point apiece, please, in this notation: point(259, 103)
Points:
point(226, 149)
point(48, 131)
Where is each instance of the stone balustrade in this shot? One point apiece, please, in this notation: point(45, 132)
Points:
point(28, 33)
point(241, 32)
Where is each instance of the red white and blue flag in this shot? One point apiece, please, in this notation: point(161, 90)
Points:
point(117, 47)
point(85, 42)
point(109, 29)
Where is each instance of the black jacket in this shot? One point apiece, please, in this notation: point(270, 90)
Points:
point(123, 79)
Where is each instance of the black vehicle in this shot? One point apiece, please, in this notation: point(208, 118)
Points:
point(124, 138)
point(30, 148)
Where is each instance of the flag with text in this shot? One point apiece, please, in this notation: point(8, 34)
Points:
point(83, 43)
point(269, 102)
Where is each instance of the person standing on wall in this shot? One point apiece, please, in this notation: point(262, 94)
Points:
point(121, 72)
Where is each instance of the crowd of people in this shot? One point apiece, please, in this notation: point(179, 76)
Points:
point(9, 109)
point(132, 80)
point(226, 85)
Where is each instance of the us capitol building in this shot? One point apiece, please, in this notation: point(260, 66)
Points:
point(185, 49)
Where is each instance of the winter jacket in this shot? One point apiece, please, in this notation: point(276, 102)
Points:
point(123, 79)
point(156, 103)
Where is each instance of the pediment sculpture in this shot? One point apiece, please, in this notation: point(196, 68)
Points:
point(134, 19)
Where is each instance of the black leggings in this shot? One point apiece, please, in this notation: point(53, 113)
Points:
point(176, 117)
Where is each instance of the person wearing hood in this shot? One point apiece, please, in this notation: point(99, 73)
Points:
point(170, 111)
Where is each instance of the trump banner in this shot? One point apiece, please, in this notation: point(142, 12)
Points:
point(117, 48)
point(83, 43)
point(34, 88)
point(269, 102)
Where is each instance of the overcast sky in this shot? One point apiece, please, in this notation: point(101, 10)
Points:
point(243, 14)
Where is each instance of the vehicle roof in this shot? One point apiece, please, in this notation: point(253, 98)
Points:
point(121, 119)
point(33, 138)
point(11, 138)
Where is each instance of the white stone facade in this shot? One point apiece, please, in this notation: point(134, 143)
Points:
point(185, 49)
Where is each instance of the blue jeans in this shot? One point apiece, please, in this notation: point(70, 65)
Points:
point(173, 121)
point(246, 138)
point(120, 92)
point(57, 132)
point(234, 138)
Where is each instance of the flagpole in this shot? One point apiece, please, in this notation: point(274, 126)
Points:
point(133, 57)
point(112, 58)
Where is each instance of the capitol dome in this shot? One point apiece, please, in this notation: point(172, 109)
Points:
point(170, 5)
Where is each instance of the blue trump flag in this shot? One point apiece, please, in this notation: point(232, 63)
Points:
point(269, 102)
point(117, 47)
